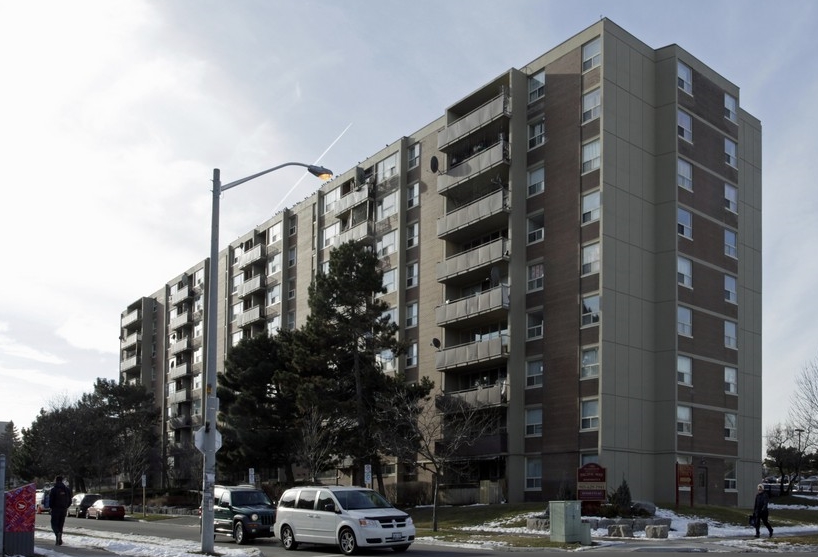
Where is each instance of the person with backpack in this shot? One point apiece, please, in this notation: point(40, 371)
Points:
point(60, 499)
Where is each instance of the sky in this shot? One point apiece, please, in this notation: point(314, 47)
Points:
point(721, 538)
point(114, 115)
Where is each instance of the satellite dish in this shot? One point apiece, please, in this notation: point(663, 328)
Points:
point(495, 276)
point(436, 343)
point(433, 164)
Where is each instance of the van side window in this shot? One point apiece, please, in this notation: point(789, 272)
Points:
point(287, 500)
point(306, 500)
point(324, 499)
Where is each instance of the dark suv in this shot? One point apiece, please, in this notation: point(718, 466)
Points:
point(243, 512)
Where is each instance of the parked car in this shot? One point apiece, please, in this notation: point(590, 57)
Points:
point(243, 512)
point(349, 517)
point(807, 486)
point(106, 508)
point(80, 503)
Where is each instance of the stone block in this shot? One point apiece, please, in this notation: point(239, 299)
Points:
point(696, 529)
point(655, 531)
point(620, 531)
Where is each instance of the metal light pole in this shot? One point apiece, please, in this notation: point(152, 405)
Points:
point(799, 431)
point(211, 402)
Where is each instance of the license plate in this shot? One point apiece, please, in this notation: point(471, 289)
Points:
point(397, 536)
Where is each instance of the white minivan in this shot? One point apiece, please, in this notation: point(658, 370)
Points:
point(349, 517)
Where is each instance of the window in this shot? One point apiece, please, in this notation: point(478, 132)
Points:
point(331, 232)
point(386, 359)
point(731, 152)
point(411, 275)
point(730, 290)
point(330, 199)
point(684, 321)
point(684, 420)
point(591, 54)
point(291, 257)
point(536, 86)
point(386, 244)
point(730, 380)
point(291, 288)
point(234, 340)
point(291, 320)
point(533, 421)
point(536, 180)
point(535, 277)
point(589, 414)
point(387, 167)
point(535, 325)
point(590, 156)
point(386, 206)
point(389, 280)
point(533, 373)
point(274, 233)
point(590, 207)
point(533, 473)
point(411, 314)
point(684, 174)
point(684, 123)
point(590, 310)
point(413, 154)
point(274, 294)
point(589, 362)
point(685, 77)
point(730, 426)
point(590, 258)
point(274, 264)
point(684, 271)
point(536, 228)
point(273, 325)
point(236, 310)
point(413, 195)
point(730, 475)
point(730, 335)
point(412, 235)
point(684, 370)
point(591, 105)
point(536, 134)
point(730, 107)
point(684, 223)
point(391, 313)
point(730, 244)
point(238, 280)
point(293, 227)
point(731, 198)
point(412, 355)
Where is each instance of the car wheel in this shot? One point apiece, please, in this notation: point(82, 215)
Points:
point(400, 548)
point(99, 516)
point(238, 534)
point(346, 541)
point(288, 539)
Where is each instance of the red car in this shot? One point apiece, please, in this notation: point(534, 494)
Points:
point(106, 508)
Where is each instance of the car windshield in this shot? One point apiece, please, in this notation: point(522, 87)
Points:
point(244, 498)
point(362, 499)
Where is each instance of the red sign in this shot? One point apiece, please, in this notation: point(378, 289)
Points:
point(591, 483)
point(20, 509)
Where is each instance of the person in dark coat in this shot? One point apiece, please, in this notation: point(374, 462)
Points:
point(761, 512)
point(59, 500)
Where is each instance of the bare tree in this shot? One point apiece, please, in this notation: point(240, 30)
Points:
point(432, 433)
point(316, 447)
point(804, 407)
point(782, 455)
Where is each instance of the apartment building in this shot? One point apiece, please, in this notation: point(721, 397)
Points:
point(575, 245)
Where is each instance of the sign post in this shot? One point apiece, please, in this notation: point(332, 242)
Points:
point(684, 478)
point(591, 482)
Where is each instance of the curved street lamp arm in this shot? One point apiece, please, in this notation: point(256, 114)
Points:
point(318, 171)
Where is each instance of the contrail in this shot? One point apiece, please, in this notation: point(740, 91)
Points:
point(331, 145)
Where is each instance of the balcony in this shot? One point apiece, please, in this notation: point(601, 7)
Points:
point(129, 363)
point(181, 320)
point(491, 211)
point(350, 200)
point(492, 395)
point(495, 108)
point(130, 318)
point(180, 345)
point(357, 232)
point(493, 444)
point(253, 285)
point(255, 255)
point(483, 161)
point(181, 370)
point(178, 422)
point(176, 397)
point(196, 420)
point(473, 260)
point(181, 295)
point(250, 316)
point(130, 340)
point(472, 353)
point(491, 305)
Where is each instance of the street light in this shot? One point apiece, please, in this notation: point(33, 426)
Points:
point(209, 433)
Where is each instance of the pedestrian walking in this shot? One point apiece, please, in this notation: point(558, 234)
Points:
point(761, 512)
point(60, 500)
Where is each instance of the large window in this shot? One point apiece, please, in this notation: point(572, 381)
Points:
point(730, 380)
point(274, 233)
point(731, 198)
point(536, 228)
point(413, 195)
point(533, 473)
point(590, 258)
point(730, 107)
point(730, 334)
point(535, 277)
point(684, 174)
point(684, 123)
point(590, 156)
point(536, 134)
point(684, 323)
point(533, 373)
point(684, 223)
point(536, 86)
point(330, 199)
point(591, 105)
point(535, 325)
point(412, 231)
point(386, 244)
point(387, 167)
point(389, 278)
point(684, 370)
point(386, 206)
point(730, 482)
point(730, 243)
point(731, 152)
point(274, 294)
point(591, 54)
point(730, 426)
point(411, 314)
point(589, 410)
point(331, 232)
point(685, 77)
point(533, 421)
point(684, 271)
point(730, 289)
point(292, 257)
point(413, 155)
point(412, 355)
point(412, 276)
point(590, 310)
point(536, 180)
point(590, 207)
point(684, 420)
point(589, 362)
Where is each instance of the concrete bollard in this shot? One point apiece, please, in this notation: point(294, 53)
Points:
point(655, 531)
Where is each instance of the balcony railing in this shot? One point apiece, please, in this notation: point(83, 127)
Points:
point(249, 316)
point(180, 345)
point(176, 397)
point(178, 422)
point(181, 320)
point(495, 203)
point(179, 371)
point(492, 444)
point(355, 233)
point(130, 318)
point(129, 363)
point(472, 353)
point(490, 395)
point(351, 199)
point(490, 301)
point(180, 295)
point(130, 340)
point(476, 164)
point(499, 106)
point(472, 259)
point(252, 285)
point(255, 254)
